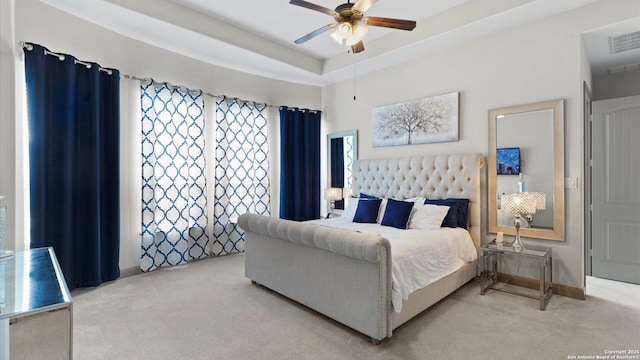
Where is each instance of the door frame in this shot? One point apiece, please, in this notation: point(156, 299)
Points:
point(587, 113)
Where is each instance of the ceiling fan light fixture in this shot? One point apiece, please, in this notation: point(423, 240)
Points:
point(337, 37)
point(349, 20)
point(345, 30)
point(359, 32)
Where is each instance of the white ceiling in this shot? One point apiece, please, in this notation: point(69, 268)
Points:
point(283, 22)
point(256, 36)
point(598, 48)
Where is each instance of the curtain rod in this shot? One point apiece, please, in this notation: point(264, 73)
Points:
point(133, 77)
point(61, 57)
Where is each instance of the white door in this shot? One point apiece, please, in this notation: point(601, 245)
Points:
point(616, 189)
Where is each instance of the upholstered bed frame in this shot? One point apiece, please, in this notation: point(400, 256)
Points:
point(347, 275)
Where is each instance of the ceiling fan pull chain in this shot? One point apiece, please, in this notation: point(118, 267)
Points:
point(354, 82)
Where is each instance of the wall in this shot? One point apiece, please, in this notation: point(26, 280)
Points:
point(538, 61)
point(58, 31)
point(616, 86)
point(7, 126)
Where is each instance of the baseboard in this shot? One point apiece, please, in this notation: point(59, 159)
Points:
point(136, 270)
point(130, 272)
point(558, 289)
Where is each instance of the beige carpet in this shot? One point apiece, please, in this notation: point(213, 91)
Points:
point(208, 310)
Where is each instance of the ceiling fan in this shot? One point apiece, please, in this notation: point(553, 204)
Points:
point(349, 22)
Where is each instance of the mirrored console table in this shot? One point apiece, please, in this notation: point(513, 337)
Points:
point(3, 224)
point(35, 307)
point(491, 260)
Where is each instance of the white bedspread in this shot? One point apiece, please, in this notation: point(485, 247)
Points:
point(420, 257)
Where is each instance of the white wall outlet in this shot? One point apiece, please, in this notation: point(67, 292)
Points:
point(571, 183)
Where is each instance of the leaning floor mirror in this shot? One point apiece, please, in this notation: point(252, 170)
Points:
point(526, 155)
point(342, 152)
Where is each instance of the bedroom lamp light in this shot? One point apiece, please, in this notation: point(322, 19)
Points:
point(522, 204)
point(333, 195)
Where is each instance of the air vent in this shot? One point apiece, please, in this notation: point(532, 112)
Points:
point(623, 68)
point(624, 42)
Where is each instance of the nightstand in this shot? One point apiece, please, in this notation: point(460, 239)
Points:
point(36, 308)
point(492, 257)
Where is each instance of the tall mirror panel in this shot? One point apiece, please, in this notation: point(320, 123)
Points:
point(526, 155)
point(342, 151)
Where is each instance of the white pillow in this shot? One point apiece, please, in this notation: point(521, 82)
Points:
point(350, 207)
point(427, 216)
point(383, 206)
point(417, 200)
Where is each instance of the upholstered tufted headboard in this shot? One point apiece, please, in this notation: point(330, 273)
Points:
point(430, 176)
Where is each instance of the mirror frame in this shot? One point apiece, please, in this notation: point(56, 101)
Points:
point(337, 135)
point(557, 233)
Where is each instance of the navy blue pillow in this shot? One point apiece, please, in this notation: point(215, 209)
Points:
point(367, 196)
point(397, 213)
point(367, 211)
point(458, 211)
point(463, 211)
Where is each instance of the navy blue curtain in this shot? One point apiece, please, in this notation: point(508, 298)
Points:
point(299, 164)
point(337, 167)
point(74, 137)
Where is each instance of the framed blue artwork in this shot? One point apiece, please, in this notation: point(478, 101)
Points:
point(508, 161)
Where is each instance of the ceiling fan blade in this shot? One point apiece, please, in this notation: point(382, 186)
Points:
point(357, 47)
point(390, 23)
point(315, 7)
point(363, 5)
point(315, 33)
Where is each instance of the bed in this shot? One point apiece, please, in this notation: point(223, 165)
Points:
point(348, 275)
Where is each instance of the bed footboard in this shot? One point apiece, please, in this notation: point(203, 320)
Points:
point(328, 270)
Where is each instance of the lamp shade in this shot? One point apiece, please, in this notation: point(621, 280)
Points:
point(541, 200)
point(337, 37)
point(333, 194)
point(523, 202)
point(345, 30)
point(358, 33)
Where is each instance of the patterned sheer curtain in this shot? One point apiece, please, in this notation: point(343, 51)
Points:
point(174, 184)
point(348, 161)
point(241, 172)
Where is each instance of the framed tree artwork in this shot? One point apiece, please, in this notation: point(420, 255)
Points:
point(427, 120)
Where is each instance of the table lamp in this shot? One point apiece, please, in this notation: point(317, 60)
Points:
point(333, 195)
point(519, 204)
